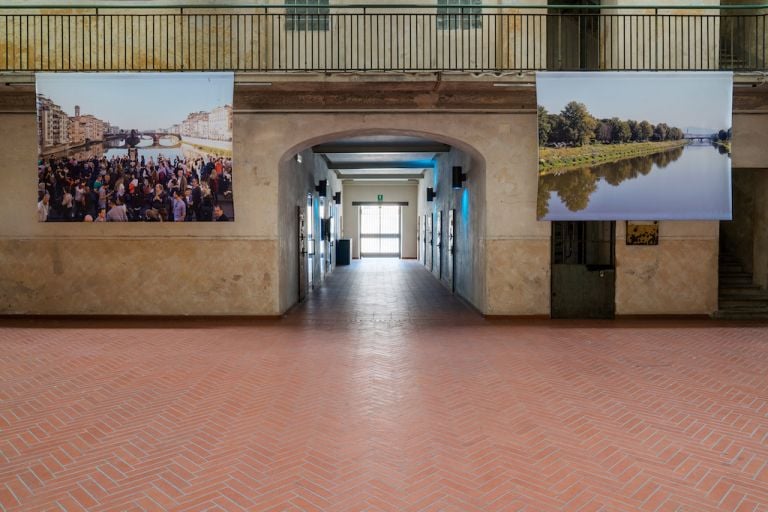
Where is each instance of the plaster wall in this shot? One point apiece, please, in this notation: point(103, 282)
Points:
point(249, 266)
point(635, 39)
point(393, 192)
point(676, 277)
point(760, 230)
point(244, 38)
point(503, 141)
point(750, 150)
point(747, 45)
point(737, 235)
point(517, 246)
point(297, 180)
point(365, 39)
point(470, 220)
point(746, 236)
point(129, 268)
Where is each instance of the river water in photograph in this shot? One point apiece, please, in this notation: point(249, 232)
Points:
point(168, 148)
point(692, 182)
point(172, 151)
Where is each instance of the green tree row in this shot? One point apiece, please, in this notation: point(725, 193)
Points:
point(725, 135)
point(575, 126)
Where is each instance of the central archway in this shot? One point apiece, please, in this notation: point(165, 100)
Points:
point(458, 262)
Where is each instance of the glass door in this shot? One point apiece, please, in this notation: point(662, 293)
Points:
point(379, 231)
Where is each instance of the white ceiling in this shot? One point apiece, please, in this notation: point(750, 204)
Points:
point(380, 156)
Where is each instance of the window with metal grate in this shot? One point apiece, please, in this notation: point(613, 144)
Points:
point(307, 18)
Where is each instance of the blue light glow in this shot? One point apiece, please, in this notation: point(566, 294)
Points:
point(423, 163)
point(465, 205)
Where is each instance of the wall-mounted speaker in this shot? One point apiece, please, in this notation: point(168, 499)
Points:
point(431, 194)
point(322, 188)
point(457, 177)
point(337, 198)
point(325, 229)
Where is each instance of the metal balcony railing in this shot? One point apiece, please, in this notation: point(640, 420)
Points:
point(405, 38)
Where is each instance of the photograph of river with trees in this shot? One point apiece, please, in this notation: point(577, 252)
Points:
point(634, 146)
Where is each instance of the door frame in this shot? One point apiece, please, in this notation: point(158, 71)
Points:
point(311, 232)
point(606, 268)
point(451, 259)
point(302, 256)
point(400, 205)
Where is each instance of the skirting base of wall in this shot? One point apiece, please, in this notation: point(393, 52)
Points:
point(135, 320)
point(517, 318)
point(630, 320)
point(664, 317)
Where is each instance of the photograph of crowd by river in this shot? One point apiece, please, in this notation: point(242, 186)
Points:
point(135, 147)
point(634, 146)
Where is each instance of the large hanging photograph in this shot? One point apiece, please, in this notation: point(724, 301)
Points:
point(634, 146)
point(134, 147)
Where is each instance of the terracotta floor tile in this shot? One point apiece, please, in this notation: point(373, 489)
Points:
point(383, 392)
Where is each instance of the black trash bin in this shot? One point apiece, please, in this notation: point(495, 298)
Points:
point(343, 251)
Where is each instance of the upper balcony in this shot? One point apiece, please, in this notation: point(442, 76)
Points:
point(448, 35)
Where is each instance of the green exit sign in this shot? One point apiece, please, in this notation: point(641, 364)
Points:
point(380, 197)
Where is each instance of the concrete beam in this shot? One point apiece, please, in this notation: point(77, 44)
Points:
point(340, 166)
point(388, 148)
point(374, 177)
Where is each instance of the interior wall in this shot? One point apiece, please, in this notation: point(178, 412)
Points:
point(469, 204)
point(486, 135)
point(246, 267)
point(750, 150)
point(746, 236)
point(736, 236)
point(760, 230)
point(297, 180)
point(677, 277)
point(517, 246)
point(696, 46)
point(168, 268)
point(392, 191)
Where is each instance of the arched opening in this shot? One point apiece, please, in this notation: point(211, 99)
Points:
point(387, 200)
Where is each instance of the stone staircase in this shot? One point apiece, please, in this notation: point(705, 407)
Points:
point(739, 298)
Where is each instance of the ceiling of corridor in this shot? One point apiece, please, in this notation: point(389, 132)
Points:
point(380, 156)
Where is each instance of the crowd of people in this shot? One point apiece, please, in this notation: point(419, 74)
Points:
point(123, 190)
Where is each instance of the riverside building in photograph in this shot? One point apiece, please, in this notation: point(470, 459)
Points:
point(452, 281)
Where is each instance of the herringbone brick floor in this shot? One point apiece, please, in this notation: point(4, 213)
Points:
point(383, 393)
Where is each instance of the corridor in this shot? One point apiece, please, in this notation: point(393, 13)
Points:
point(383, 393)
point(383, 292)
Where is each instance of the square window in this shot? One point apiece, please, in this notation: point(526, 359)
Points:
point(307, 18)
point(458, 18)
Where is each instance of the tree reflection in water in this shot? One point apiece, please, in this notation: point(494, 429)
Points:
point(574, 188)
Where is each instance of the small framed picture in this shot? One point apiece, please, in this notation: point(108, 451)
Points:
point(642, 232)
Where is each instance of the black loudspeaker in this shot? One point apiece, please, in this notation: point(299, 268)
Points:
point(457, 178)
point(431, 194)
point(337, 198)
point(325, 229)
point(322, 188)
